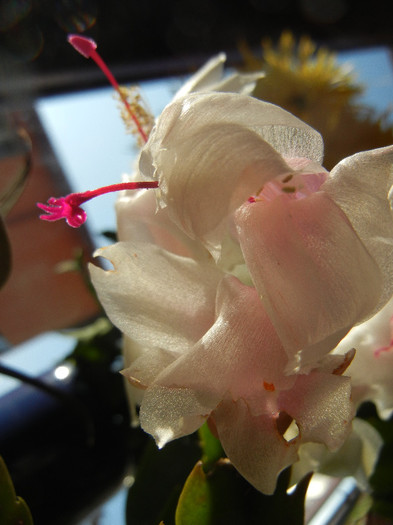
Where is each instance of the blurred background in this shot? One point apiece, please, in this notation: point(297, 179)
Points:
point(152, 37)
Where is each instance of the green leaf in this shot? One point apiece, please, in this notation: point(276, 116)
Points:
point(212, 449)
point(195, 504)
point(223, 497)
point(13, 510)
point(159, 481)
point(5, 254)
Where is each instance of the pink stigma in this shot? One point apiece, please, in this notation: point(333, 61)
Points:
point(87, 47)
point(68, 207)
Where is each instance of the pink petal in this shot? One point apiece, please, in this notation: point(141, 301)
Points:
point(253, 444)
point(362, 186)
point(315, 277)
point(321, 405)
point(240, 354)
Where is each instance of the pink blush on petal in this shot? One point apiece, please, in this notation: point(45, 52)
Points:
point(292, 186)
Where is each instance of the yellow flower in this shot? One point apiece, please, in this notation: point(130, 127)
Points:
point(309, 83)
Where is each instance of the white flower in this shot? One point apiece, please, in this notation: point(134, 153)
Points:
point(357, 457)
point(233, 291)
point(372, 369)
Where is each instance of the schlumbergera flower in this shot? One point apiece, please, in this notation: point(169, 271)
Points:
point(371, 371)
point(232, 293)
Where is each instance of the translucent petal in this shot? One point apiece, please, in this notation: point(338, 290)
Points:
point(210, 152)
point(361, 185)
point(145, 295)
point(239, 354)
point(167, 414)
point(211, 77)
point(139, 219)
point(206, 77)
point(356, 457)
point(314, 275)
point(253, 443)
point(321, 405)
point(372, 368)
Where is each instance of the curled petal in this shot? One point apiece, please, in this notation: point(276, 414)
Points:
point(206, 77)
point(362, 186)
point(210, 78)
point(314, 275)
point(239, 354)
point(210, 152)
point(168, 414)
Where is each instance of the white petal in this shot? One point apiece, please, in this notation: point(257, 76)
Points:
point(360, 185)
point(210, 78)
point(357, 456)
point(154, 297)
point(139, 220)
point(238, 355)
point(210, 152)
point(371, 370)
point(239, 83)
point(167, 414)
point(205, 78)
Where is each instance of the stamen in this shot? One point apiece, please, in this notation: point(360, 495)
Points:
point(269, 386)
point(302, 185)
point(87, 47)
point(68, 207)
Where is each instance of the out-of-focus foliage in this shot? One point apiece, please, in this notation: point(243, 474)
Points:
point(13, 510)
point(9, 194)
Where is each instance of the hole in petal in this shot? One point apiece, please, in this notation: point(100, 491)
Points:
point(292, 432)
point(103, 263)
point(287, 426)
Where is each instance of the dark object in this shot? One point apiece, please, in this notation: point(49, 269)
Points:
point(65, 458)
point(165, 38)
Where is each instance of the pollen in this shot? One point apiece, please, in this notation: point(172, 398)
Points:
point(138, 108)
